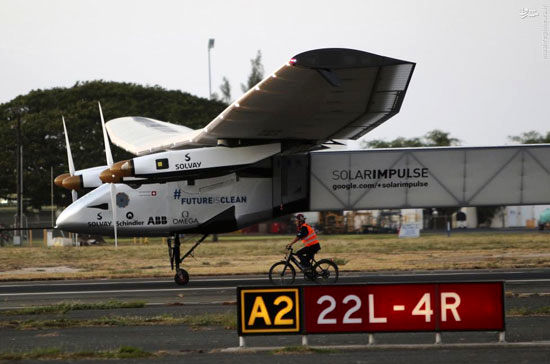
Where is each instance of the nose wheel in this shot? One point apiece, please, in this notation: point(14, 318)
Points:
point(182, 276)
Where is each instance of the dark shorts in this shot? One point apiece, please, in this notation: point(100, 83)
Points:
point(306, 253)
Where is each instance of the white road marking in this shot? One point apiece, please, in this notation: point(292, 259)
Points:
point(109, 282)
point(118, 291)
point(150, 304)
point(482, 275)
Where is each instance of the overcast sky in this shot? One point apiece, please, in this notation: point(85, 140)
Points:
point(483, 67)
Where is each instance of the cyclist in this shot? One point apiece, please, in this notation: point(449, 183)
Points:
point(309, 238)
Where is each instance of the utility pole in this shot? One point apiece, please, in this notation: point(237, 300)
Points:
point(51, 195)
point(18, 225)
point(210, 46)
point(21, 193)
point(17, 111)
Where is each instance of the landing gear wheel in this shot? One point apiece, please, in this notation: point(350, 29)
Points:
point(181, 277)
point(326, 271)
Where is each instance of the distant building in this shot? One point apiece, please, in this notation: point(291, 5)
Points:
point(518, 216)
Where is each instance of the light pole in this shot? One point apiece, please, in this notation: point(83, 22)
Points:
point(210, 46)
point(20, 197)
point(18, 219)
point(14, 113)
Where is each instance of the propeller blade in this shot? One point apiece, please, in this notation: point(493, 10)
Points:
point(113, 208)
point(109, 157)
point(108, 153)
point(74, 195)
point(69, 154)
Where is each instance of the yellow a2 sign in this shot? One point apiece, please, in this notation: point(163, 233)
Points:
point(268, 310)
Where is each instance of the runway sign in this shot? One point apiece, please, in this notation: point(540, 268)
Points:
point(371, 308)
point(269, 310)
point(404, 307)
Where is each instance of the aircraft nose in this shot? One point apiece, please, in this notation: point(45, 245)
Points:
point(68, 219)
point(78, 216)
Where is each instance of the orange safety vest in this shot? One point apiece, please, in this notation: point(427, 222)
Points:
point(311, 237)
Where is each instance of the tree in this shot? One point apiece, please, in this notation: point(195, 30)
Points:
point(440, 139)
point(434, 138)
point(214, 96)
point(42, 133)
point(396, 143)
point(256, 72)
point(531, 137)
point(225, 89)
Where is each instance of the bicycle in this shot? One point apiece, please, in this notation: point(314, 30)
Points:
point(324, 271)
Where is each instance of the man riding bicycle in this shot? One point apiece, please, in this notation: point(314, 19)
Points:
point(325, 271)
point(309, 238)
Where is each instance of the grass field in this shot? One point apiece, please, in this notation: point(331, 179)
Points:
point(235, 254)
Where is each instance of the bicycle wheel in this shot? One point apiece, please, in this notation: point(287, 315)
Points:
point(326, 271)
point(279, 275)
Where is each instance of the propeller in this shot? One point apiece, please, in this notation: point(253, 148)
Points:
point(109, 157)
point(69, 158)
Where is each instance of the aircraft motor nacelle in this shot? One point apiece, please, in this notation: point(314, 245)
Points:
point(85, 178)
point(189, 163)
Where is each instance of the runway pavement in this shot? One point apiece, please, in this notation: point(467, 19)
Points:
point(524, 288)
point(219, 289)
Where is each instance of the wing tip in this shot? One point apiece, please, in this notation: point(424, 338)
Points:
point(334, 58)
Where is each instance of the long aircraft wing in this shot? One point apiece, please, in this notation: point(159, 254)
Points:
point(317, 96)
point(139, 135)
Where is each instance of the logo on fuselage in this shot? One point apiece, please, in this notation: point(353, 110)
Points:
point(190, 165)
point(186, 219)
point(122, 199)
point(157, 220)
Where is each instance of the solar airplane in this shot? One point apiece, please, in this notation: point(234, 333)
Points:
point(248, 165)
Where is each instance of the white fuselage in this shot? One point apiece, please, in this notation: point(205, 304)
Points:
point(172, 207)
